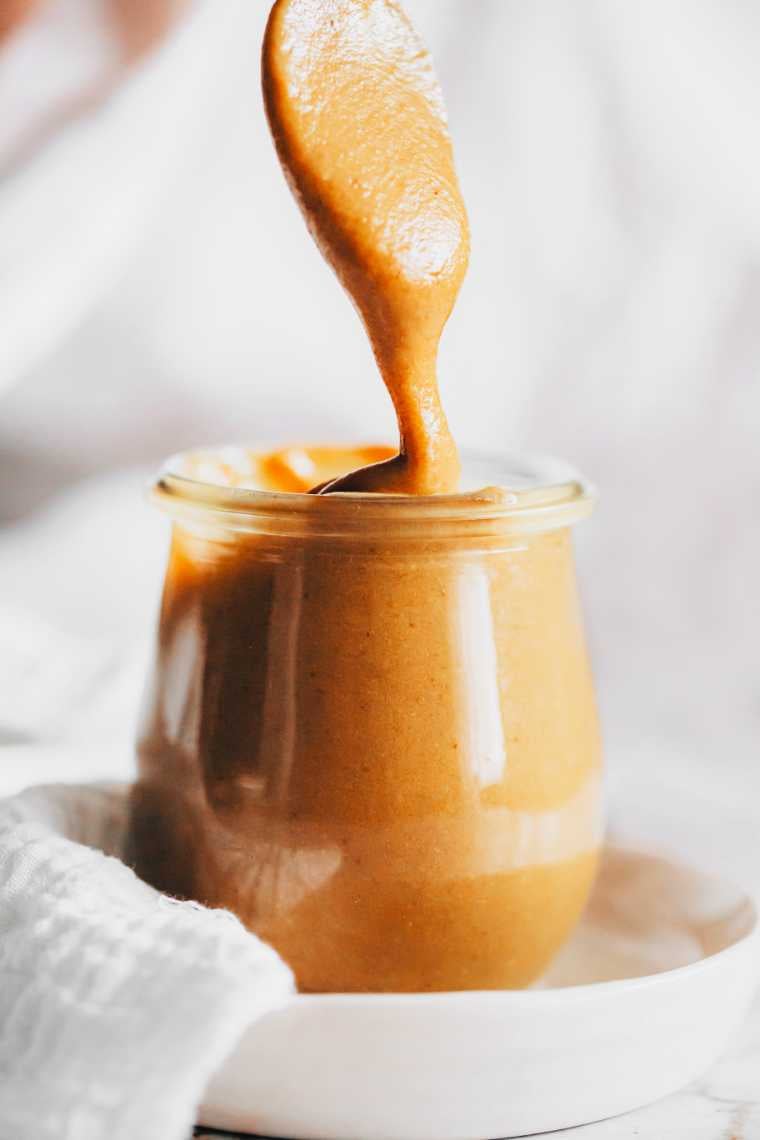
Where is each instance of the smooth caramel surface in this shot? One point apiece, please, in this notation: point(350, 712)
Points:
point(294, 467)
point(360, 128)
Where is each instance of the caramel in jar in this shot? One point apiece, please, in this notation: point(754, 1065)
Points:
point(371, 730)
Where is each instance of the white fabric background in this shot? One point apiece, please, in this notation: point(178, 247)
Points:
point(158, 289)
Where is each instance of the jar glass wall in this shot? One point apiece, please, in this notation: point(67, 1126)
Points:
point(371, 729)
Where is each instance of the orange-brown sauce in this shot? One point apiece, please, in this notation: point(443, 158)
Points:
point(380, 750)
point(360, 127)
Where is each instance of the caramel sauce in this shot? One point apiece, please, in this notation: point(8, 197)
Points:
point(360, 128)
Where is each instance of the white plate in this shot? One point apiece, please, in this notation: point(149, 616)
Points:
point(657, 977)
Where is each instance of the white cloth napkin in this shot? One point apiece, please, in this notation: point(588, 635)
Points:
point(117, 1004)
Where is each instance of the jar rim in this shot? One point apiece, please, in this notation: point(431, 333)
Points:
point(527, 492)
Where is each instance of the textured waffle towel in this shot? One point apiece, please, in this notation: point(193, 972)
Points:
point(117, 1004)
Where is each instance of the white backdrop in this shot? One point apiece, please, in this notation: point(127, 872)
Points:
point(158, 289)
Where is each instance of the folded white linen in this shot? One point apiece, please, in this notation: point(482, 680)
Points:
point(117, 1004)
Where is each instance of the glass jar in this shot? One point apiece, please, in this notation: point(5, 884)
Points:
point(371, 729)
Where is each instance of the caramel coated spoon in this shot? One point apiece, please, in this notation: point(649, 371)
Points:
point(360, 128)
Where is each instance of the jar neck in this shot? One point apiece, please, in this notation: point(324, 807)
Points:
point(490, 513)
